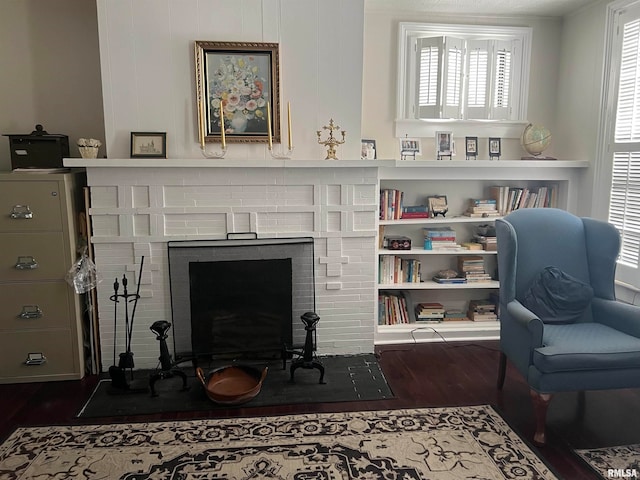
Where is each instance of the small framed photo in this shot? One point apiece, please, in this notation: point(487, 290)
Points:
point(494, 148)
point(148, 145)
point(410, 147)
point(438, 205)
point(368, 151)
point(471, 147)
point(444, 146)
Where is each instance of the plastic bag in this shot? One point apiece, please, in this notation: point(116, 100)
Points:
point(83, 274)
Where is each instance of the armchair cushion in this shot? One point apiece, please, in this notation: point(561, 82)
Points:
point(585, 346)
point(557, 297)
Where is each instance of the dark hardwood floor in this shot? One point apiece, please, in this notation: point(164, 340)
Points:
point(420, 375)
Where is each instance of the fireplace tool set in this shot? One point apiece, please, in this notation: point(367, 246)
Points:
point(118, 372)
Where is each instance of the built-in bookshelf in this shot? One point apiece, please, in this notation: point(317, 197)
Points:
point(511, 184)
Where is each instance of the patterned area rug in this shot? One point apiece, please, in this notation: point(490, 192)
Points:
point(613, 462)
point(435, 443)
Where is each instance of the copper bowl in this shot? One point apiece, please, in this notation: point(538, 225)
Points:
point(232, 385)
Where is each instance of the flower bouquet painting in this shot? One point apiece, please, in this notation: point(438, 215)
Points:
point(235, 84)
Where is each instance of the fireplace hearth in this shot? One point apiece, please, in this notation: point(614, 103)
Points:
point(238, 298)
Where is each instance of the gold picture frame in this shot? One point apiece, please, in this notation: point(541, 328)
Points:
point(242, 78)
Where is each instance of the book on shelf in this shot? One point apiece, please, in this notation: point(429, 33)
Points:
point(509, 198)
point(415, 211)
point(454, 280)
point(392, 309)
point(471, 245)
point(407, 215)
point(485, 214)
point(479, 202)
point(483, 317)
point(455, 315)
point(396, 269)
point(430, 320)
point(429, 308)
point(391, 201)
point(439, 232)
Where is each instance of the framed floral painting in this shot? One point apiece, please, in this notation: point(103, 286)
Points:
point(237, 85)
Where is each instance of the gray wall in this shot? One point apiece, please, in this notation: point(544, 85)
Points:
point(50, 71)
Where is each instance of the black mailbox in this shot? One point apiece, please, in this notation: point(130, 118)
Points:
point(38, 150)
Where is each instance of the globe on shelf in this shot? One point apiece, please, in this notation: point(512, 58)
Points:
point(535, 140)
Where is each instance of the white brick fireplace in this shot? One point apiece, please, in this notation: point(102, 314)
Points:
point(138, 205)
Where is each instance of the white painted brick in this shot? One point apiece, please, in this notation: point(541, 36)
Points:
point(104, 197)
point(208, 203)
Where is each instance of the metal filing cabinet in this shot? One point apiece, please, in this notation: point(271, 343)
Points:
point(40, 314)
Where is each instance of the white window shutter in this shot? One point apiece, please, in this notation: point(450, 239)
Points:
point(453, 77)
point(429, 61)
point(624, 201)
point(502, 80)
point(477, 79)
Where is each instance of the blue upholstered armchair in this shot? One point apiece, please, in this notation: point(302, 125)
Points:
point(560, 324)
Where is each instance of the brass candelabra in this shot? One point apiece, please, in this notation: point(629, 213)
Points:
point(331, 142)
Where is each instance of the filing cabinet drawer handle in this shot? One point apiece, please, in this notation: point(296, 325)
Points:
point(36, 358)
point(21, 212)
point(30, 311)
point(26, 263)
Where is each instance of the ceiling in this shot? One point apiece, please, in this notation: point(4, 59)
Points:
point(552, 8)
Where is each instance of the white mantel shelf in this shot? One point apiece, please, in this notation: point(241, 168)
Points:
point(220, 163)
point(384, 164)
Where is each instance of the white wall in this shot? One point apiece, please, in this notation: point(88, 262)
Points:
point(146, 49)
point(580, 92)
point(380, 74)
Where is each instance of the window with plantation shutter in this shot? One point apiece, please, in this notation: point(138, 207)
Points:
point(463, 72)
point(624, 146)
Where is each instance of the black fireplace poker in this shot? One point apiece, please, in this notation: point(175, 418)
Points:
point(117, 373)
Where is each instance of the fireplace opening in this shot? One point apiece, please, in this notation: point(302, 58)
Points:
point(240, 307)
point(240, 298)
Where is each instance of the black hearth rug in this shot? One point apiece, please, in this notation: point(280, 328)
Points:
point(347, 378)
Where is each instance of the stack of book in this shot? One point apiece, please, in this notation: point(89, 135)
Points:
point(392, 309)
point(441, 237)
point(391, 204)
point(482, 311)
point(472, 268)
point(482, 207)
point(415, 211)
point(447, 279)
point(429, 312)
point(490, 244)
point(455, 315)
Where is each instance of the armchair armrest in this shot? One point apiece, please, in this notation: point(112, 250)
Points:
point(527, 320)
point(619, 315)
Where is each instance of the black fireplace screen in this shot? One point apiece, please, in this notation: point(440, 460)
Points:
point(240, 297)
point(240, 306)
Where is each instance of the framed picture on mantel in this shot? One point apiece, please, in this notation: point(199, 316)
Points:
point(148, 145)
point(237, 86)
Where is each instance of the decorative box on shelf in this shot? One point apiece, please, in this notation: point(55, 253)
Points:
point(397, 243)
